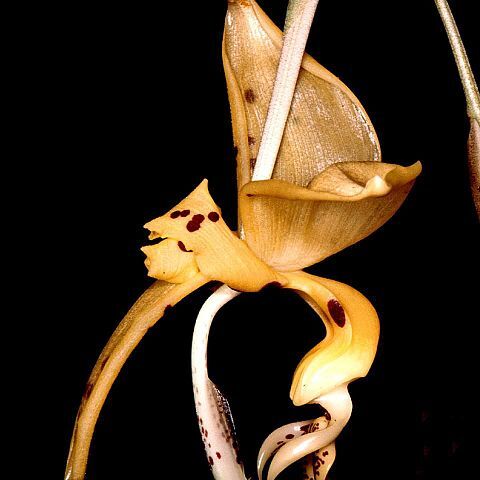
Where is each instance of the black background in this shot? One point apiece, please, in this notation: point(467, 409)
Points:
point(128, 113)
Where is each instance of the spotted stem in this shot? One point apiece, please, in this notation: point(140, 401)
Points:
point(213, 412)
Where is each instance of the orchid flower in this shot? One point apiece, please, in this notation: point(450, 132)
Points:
point(328, 190)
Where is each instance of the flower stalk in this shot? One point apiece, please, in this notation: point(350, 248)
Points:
point(472, 97)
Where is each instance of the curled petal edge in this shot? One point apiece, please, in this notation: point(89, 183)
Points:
point(291, 227)
point(349, 347)
point(197, 227)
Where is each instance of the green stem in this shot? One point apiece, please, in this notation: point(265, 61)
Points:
point(466, 75)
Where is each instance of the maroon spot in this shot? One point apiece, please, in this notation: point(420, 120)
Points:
point(182, 247)
point(175, 214)
point(337, 312)
point(88, 391)
point(203, 431)
point(219, 456)
point(194, 224)
point(270, 285)
point(210, 460)
point(201, 421)
point(209, 446)
point(289, 436)
point(251, 140)
point(281, 443)
point(105, 360)
point(305, 429)
point(253, 162)
point(249, 95)
point(213, 216)
point(185, 213)
point(325, 454)
point(213, 286)
point(249, 194)
point(206, 432)
point(328, 416)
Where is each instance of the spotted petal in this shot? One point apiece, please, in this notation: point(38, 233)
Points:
point(291, 227)
point(327, 124)
point(348, 349)
point(196, 226)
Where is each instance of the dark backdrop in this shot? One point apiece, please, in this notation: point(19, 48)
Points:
point(129, 113)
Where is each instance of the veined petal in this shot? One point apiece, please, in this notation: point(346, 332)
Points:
point(146, 311)
point(348, 350)
point(196, 225)
point(327, 124)
point(291, 227)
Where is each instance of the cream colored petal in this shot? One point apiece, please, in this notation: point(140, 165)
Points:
point(348, 351)
point(218, 253)
point(327, 124)
point(146, 311)
point(290, 227)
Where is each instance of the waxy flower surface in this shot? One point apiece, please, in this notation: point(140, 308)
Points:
point(329, 190)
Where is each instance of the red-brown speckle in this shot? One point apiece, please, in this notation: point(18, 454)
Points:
point(88, 391)
point(325, 454)
point(253, 162)
point(250, 95)
point(185, 213)
point(270, 285)
point(289, 436)
point(182, 247)
point(213, 216)
point(194, 224)
point(210, 460)
point(219, 455)
point(249, 194)
point(337, 312)
point(175, 214)
point(251, 140)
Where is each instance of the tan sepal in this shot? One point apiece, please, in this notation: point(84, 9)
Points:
point(169, 260)
point(348, 350)
point(327, 124)
point(219, 254)
point(291, 227)
point(146, 311)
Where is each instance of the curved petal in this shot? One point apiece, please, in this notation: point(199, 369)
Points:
point(338, 404)
point(197, 226)
point(291, 227)
point(146, 311)
point(327, 124)
point(282, 435)
point(348, 350)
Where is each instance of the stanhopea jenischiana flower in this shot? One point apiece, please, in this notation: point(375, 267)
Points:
point(328, 190)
